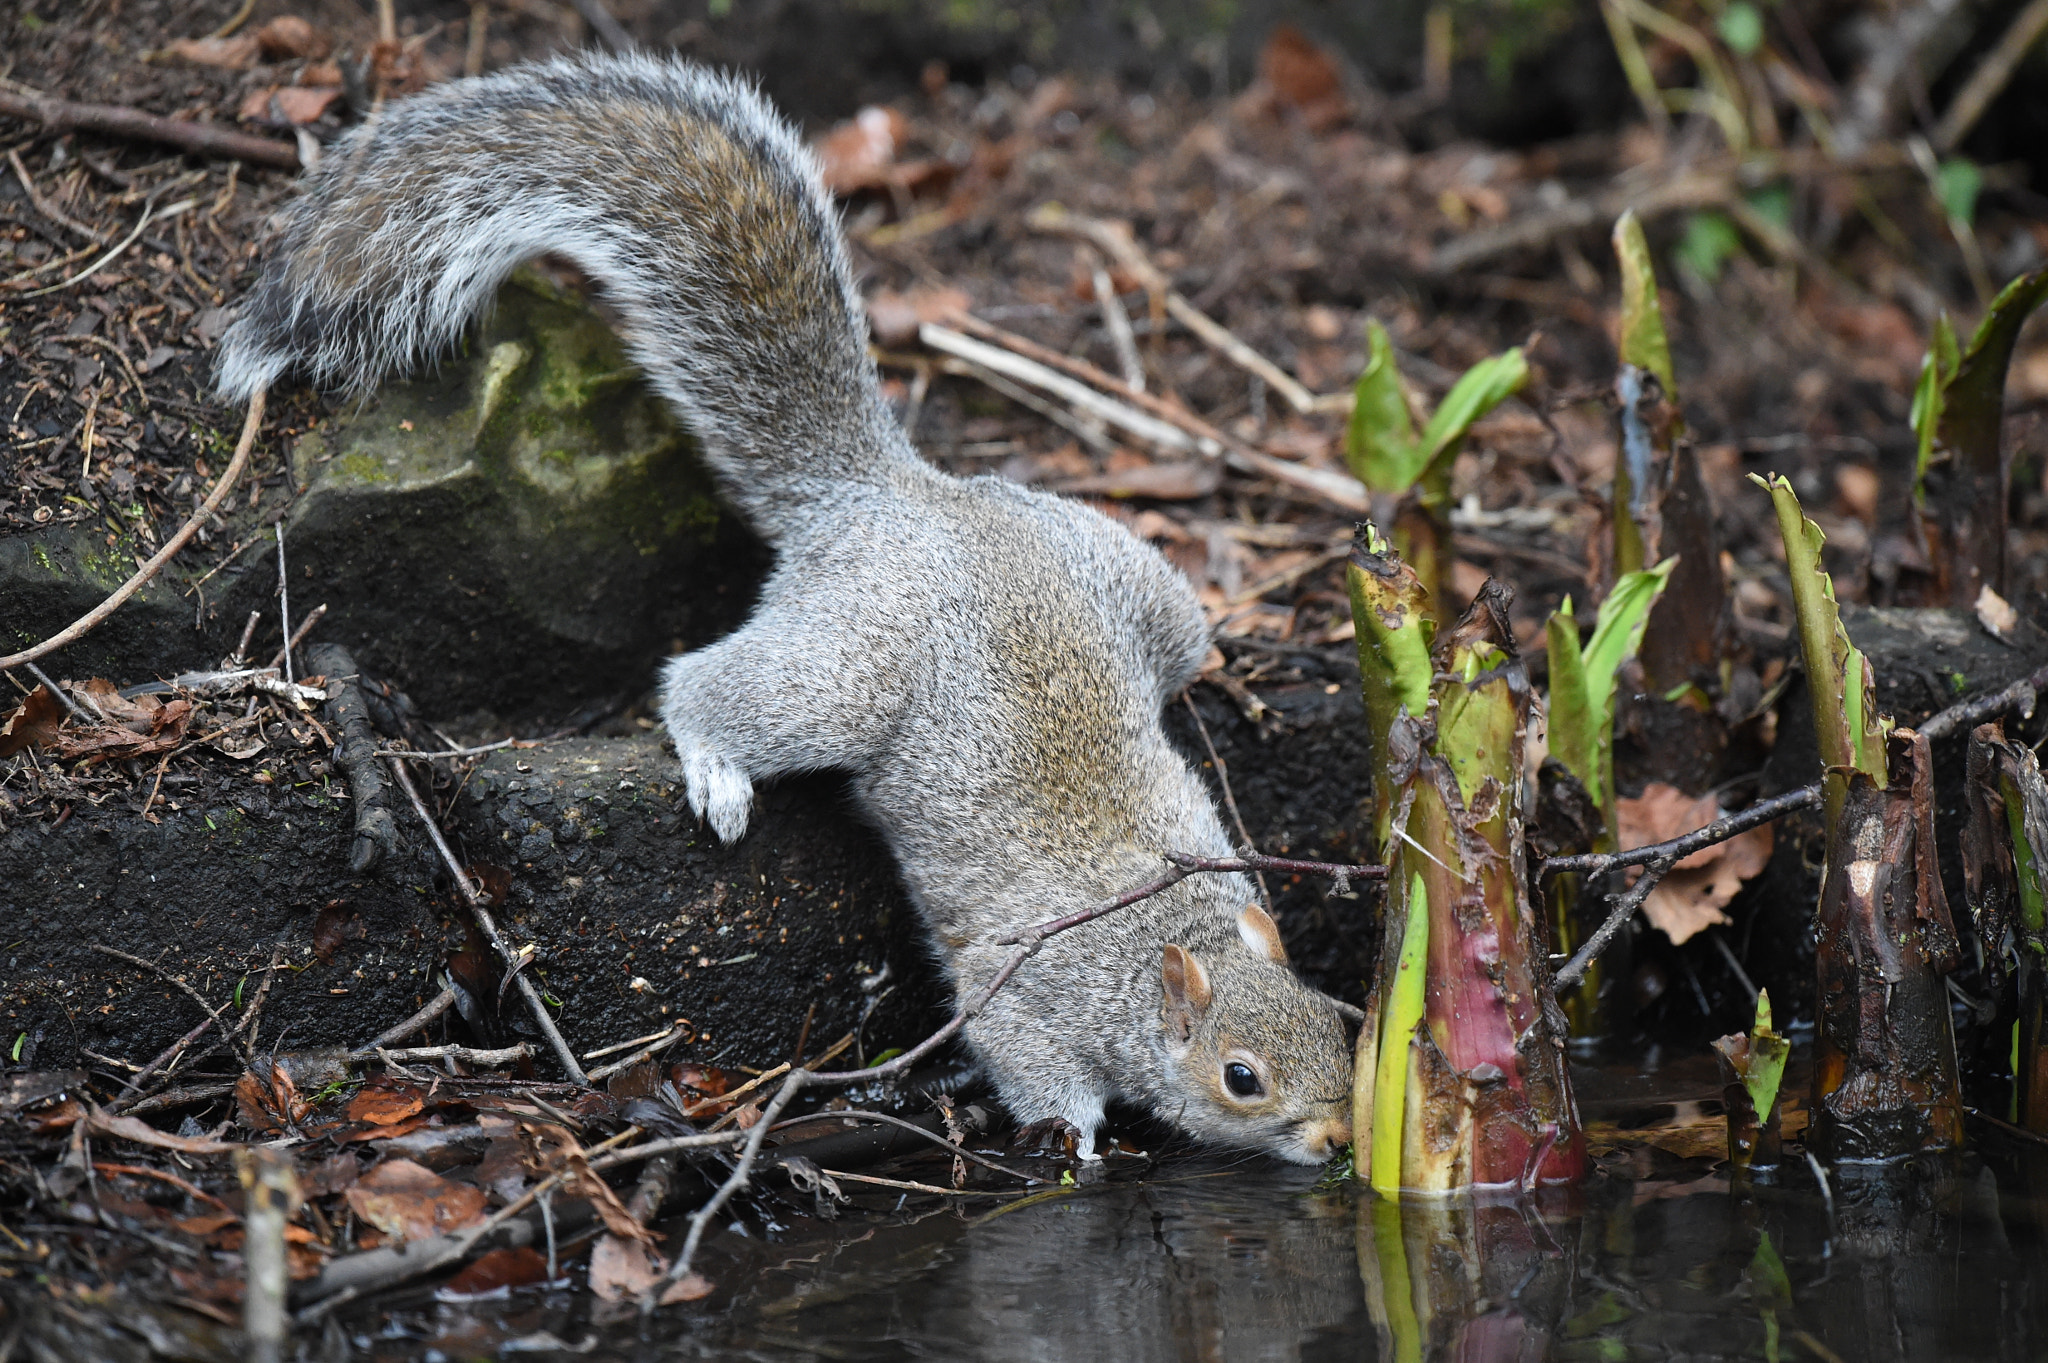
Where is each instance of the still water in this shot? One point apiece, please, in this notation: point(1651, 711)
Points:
point(1197, 1257)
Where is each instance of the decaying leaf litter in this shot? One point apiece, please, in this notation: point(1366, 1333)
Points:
point(1208, 269)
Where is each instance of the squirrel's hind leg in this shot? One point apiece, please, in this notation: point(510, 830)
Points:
point(786, 693)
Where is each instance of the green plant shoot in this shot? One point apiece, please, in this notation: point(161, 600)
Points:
point(1768, 1052)
point(1582, 680)
point(1851, 733)
point(1403, 1012)
point(1382, 445)
point(1643, 341)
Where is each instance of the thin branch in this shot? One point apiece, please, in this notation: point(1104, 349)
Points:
point(1252, 861)
point(1969, 714)
point(203, 139)
point(1229, 798)
point(1624, 909)
point(490, 928)
point(1990, 77)
point(92, 618)
point(600, 19)
point(1678, 848)
point(951, 1147)
point(1339, 489)
point(418, 1022)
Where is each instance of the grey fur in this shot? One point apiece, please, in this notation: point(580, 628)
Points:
point(989, 662)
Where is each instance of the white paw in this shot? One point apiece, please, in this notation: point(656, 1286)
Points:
point(720, 792)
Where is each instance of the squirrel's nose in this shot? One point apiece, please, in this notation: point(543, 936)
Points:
point(1327, 1137)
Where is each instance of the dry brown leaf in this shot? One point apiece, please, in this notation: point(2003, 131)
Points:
point(1303, 77)
point(689, 1287)
point(385, 1106)
point(895, 317)
point(142, 1133)
point(287, 106)
point(238, 53)
point(580, 1182)
point(267, 1099)
point(623, 1269)
point(409, 1201)
point(1175, 481)
point(859, 153)
point(1691, 897)
point(290, 36)
point(498, 1271)
point(1996, 614)
point(34, 722)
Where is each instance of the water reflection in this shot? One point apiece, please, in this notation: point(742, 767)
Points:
point(1936, 1260)
point(1657, 1257)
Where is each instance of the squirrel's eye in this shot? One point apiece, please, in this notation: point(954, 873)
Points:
point(1240, 1080)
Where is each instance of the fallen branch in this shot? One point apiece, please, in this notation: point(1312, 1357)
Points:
point(477, 908)
point(202, 139)
point(1339, 489)
point(1990, 77)
point(91, 620)
point(1116, 239)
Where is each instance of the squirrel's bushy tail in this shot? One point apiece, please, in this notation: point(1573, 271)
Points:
point(679, 190)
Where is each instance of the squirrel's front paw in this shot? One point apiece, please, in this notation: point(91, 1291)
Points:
point(720, 792)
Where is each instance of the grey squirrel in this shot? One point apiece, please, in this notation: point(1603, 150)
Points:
point(989, 662)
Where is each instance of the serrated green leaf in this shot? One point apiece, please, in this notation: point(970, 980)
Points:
point(1643, 342)
point(1768, 1052)
point(1838, 676)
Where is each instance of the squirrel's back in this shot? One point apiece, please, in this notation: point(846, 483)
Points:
point(690, 201)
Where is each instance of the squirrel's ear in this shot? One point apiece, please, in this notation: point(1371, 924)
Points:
point(1261, 934)
point(1187, 991)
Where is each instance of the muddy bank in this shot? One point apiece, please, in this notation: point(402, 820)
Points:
point(640, 915)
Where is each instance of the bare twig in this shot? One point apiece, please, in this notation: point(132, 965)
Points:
point(504, 1055)
point(64, 697)
point(1339, 489)
point(1229, 799)
point(1118, 323)
point(203, 139)
point(477, 751)
point(149, 214)
point(1081, 397)
point(283, 656)
point(883, 1118)
point(604, 25)
point(1990, 77)
point(92, 618)
point(1116, 239)
point(1624, 909)
point(1678, 848)
point(42, 205)
point(489, 925)
point(1969, 714)
point(284, 605)
point(413, 1025)
point(1253, 861)
point(213, 1013)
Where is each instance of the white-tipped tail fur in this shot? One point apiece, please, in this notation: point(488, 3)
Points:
point(691, 203)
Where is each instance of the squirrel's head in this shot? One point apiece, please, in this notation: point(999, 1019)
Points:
point(1259, 1059)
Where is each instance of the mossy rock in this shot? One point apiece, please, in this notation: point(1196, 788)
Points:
point(522, 530)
